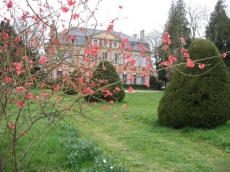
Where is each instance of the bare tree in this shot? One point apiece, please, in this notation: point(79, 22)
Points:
point(198, 18)
point(154, 38)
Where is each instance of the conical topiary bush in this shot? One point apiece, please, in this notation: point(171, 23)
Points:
point(197, 97)
point(107, 84)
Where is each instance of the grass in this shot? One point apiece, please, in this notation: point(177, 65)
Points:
point(136, 140)
point(139, 142)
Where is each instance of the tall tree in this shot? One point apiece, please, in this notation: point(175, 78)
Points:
point(198, 18)
point(178, 25)
point(218, 29)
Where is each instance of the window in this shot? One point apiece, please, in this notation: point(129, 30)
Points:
point(105, 56)
point(68, 56)
point(142, 80)
point(115, 58)
point(59, 73)
point(115, 44)
point(95, 41)
point(105, 43)
point(124, 79)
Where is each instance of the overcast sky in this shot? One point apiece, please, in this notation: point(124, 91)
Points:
point(137, 15)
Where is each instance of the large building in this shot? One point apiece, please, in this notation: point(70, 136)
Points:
point(130, 55)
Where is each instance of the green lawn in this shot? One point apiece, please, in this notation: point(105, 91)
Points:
point(136, 139)
point(139, 142)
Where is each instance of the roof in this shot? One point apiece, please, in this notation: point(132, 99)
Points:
point(82, 37)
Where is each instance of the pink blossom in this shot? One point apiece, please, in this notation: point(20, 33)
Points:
point(120, 7)
point(75, 16)
point(20, 104)
point(9, 4)
point(147, 84)
point(125, 41)
point(182, 40)
point(29, 96)
point(202, 66)
point(18, 39)
point(103, 107)
point(11, 125)
point(186, 55)
point(8, 79)
point(42, 60)
point(64, 9)
point(71, 2)
point(115, 116)
point(130, 89)
point(190, 63)
point(20, 89)
point(117, 89)
point(224, 55)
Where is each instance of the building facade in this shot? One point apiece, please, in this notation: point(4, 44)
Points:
point(129, 55)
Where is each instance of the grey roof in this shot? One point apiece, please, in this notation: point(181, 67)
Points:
point(83, 35)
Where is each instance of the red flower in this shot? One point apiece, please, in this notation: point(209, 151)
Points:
point(11, 125)
point(103, 107)
point(29, 96)
point(147, 83)
point(20, 103)
point(186, 55)
point(224, 55)
point(166, 63)
point(130, 89)
point(202, 66)
point(111, 102)
point(42, 60)
point(190, 63)
point(65, 9)
point(71, 2)
point(18, 39)
point(184, 50)
point(20, 89)
point(166, 38)
point(117, 89)
point(23, 133)
point(182, 40)
point(75, 16)
point(115, 116)
point(126, 40)
point(9, 4)
point(8, 79)
point(120, 7)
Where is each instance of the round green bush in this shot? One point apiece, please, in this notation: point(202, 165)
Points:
point(197, 97)
point(113, 81)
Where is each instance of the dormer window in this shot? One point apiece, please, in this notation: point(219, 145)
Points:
point(105, 43)
point(95, 41)
point(115, 44)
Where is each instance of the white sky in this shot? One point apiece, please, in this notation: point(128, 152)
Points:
point(142, 14)
point(136, 15)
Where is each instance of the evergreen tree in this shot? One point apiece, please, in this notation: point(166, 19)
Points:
point(107, 84)
point(218, 29)
point(178, 25)
point(197, 97)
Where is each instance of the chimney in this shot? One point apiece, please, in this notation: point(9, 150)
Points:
point(142, 35)
point(135, 36)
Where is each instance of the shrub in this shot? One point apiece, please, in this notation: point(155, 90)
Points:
point(70, 86)
point(197, 97)
point(107, 83)
point(153, 80)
